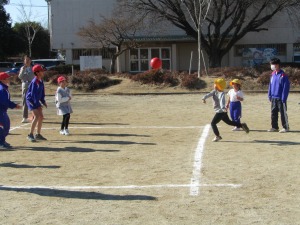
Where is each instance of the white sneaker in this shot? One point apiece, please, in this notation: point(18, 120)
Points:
point(62, 132)
point(25, 120)
point(237, 129)
point(273, 130)
point(284, 130)
point(217, 138)
point(67, 132)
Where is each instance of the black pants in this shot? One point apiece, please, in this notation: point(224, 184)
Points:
point(224, 117)
point(278, 106)
point(65, 121)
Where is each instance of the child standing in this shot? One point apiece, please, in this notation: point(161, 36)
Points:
point(5, 103)
point(63, 105)
point(234, 102)
point(34, 97)
point(220, 109)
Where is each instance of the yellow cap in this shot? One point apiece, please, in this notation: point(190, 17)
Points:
point(236, 81)
point(220, 83)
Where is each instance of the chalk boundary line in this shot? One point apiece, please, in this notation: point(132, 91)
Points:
point(195, 180)
point(120, 187)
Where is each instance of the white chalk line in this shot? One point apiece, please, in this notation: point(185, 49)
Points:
point(19, 127)
point(159, 186)
point(195, 180)
point(117, 127)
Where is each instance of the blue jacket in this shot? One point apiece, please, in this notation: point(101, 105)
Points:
point(35, 94)
point(279, 86)
point(5, 102)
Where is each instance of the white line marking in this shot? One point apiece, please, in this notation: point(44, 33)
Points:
point(195, 180)
point(121, 187)
point(18, 127)
point(126, 127)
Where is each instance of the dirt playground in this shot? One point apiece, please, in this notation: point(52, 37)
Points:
point(149, 159)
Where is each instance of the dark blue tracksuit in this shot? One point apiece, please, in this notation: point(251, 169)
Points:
point(5, 103)
point(279, 89)
point(35, 94)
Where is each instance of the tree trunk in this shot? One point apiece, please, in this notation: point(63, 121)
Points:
point(215, 59)
point(113, 64)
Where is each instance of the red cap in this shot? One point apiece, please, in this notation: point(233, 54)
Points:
point(3, 76)
point(60, 79)
point(37, 68)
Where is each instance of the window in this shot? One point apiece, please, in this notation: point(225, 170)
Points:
point(281, 48)
point(140, 58)
point(106, 53)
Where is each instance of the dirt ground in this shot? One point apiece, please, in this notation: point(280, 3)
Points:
point(130, 160)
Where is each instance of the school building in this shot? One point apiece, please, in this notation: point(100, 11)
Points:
point(174, 48)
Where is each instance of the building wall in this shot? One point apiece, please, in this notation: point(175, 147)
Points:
point(68, 16)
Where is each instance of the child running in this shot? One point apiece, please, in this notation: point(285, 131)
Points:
point(220, 109)
point(5, 103)
point(234, 102)
point(63, 105)
point(34, 98)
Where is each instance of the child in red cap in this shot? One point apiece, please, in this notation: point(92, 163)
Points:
point(5, 103)
point(35, 97)
point(63, 105)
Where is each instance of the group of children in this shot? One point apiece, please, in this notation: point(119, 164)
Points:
point(278, 92)
point(35, 100)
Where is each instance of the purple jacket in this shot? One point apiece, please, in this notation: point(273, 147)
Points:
point(279, 86)
point(35, 94)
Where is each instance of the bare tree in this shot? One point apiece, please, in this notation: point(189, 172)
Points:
point(116, 31)
point(226, 22)
point(31, 28)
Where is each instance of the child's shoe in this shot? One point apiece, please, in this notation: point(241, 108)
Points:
point(67, 132)
point(31, 138)
point(62, 132)
point(40, 137)
point(217, 138)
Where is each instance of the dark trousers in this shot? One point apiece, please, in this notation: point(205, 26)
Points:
point(4, 126)
point(278, 106)
point(65, 121)
point(224, 117)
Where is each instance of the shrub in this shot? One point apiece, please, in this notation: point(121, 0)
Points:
point(91, 81)
point(191, 81)
point(156, 77)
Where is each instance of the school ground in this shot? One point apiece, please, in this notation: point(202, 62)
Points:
point(149, 159)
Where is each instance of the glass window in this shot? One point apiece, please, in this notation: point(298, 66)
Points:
point(140, 58)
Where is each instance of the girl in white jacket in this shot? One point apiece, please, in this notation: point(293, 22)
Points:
point(63, 105)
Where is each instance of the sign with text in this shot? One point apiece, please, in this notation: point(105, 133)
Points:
point(90, 62)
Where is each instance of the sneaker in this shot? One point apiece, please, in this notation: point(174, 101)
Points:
point(3, 146)
point(273, 130)
point(245, 127)
point(62, 132)
point(25, 120)
point(237, 129)
point(31, 138)
point(40, 137)
point(284, 130)
point(67, 132)
point(7, 144)
point(217, 138)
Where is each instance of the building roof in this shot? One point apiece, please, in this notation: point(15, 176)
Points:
point(164, 38)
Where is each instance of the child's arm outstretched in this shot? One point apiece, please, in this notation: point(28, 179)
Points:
point(207, 96)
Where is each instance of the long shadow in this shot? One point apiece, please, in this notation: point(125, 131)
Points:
point(24, 166)
point(266, 131)
point(279, 143)
point(114, 135)
point(108, 142)
point(66, 149)
point(87, 123)
point(78, 194)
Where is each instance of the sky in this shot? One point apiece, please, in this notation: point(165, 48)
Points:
point(39, 10)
